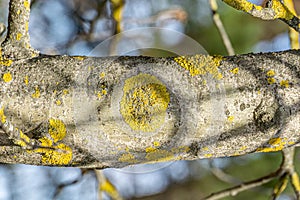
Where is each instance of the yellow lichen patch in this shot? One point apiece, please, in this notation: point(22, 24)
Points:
point(58, 102)
point(24, 137)
point(271, 73)
point(277, 144)
point(104, 92)
point(156, 143)
point(65, 91)
point(230, 118)
point(208, 155)
point(2, 116)
point(109, 188)
point(271, 80)
point(295, 181)
point(27, 5)
point(242, 5)
point(60, 154)
point(127, 157)
point(99, 95)
point(26, 80)
point(243, 148)
point(160, 155)
point(150, 149)
point(235, 70)
point(6, 63)
point(37, 93)
point(57, 129)
point(275, 141)
point(102, 75)
point(281, 10)
point(201, 65)
point(18, 37)
point(26, 26)
point(284, 83)
point(18, 12)
point(144, 102)
point(7, 77)
point(46, 142)
point(79, 57)
point(205, 149)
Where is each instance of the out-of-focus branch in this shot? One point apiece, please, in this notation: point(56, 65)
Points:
point(294, 35)
point(286, 170)
point(274, 10)
point(220, 27)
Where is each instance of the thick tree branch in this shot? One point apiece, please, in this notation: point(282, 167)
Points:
point(80, 108)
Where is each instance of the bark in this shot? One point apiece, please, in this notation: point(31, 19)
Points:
point(117, 111)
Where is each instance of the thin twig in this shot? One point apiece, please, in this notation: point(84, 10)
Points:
point(242, 187)
point(216, 17)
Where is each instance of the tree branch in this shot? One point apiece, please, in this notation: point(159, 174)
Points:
point(274, 10)
point(17, 43)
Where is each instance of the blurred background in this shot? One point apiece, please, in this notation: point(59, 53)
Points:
point(76, 27)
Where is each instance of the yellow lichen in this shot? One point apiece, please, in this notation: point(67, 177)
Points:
point(102, 74)
point(6, 63)
point(205, 149)
point(281, 10)
point(60, 154)
point(144, 102)
point(26, 26)
point(208, 155)
point(275, 141)
point(201, 65)
point(243, 5)
point(99, 95)
point(57, 129)
point(271, 73)
point(159, 155)
point(79, 57)
point(7, 77)
point(2, 116)
point(37, 93)
point(284, 83)
point(109, 188)
point(235, 70)
point(127, 157)
point(58, 102)
point(276, 144)
point(156, 143)
point(65, 91)
point(230, 118)
point(104, 92)
point(27, 5)
point(295, 181)
point(46, 142)
point(271, 80)
point(26, 80)
point(18, 37)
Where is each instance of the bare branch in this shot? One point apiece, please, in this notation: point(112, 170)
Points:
point(220, 27)
point(275, 10)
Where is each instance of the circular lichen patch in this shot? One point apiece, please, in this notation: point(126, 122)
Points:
point(144, 102)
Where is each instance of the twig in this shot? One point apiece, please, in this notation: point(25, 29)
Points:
point(106, 186)
point(220, 27)
point(242, 187)
point(220, 174)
